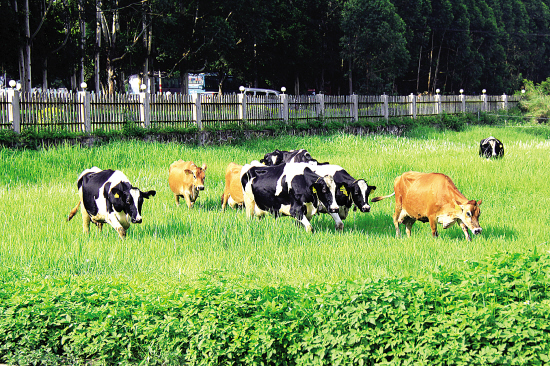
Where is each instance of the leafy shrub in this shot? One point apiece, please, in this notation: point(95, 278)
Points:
point(495, 311)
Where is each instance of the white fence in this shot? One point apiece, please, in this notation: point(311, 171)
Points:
point(89, 112)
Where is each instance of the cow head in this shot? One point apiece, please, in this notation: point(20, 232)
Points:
point(198, 176)
point(274, 158)
point(469, 213)
point(125, 198)
point(360, 192)
point(324, 188)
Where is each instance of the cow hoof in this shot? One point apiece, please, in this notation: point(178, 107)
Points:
point(340, 227)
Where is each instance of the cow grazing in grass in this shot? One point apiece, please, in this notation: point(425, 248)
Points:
point(491, 148)
point(293, 156)
point(349, 191)
point(433, 198)
point(233, 191)
point(107, 196)
point(186, 180)
point(287, 189)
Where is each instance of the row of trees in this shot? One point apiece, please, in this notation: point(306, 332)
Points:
point(332, 46)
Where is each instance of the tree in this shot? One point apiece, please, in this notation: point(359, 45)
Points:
point(374, 44)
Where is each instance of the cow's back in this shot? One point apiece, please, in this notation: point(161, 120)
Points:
point(421, 194)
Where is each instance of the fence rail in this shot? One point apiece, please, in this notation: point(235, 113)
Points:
point(89, 112)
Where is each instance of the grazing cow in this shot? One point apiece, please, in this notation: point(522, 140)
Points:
point(349, 191)
point(491, 148)
point(433, 198)
point(287, 189)
point(186, 180)
point(293, 156)
point(233, 191)
point(107, 196)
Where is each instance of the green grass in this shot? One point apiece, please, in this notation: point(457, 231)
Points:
point(38, 189)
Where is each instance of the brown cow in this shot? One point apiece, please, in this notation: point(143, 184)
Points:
point(186, 180)
point(433, 198)
point(233, 191)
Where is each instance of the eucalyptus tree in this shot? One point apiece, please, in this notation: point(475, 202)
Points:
point(374, 45)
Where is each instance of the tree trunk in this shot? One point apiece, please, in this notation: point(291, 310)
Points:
point(45, 75)
point(97, 58)
point(26, 82)
point(82, 22)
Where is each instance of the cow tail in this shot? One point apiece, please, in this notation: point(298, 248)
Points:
point(73, 211)
point(376, 199)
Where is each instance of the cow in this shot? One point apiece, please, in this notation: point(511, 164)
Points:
point(349, 191)
point(491, 148)
point(107, 196)
point(433, 198)
point(233, 191)
point(293, 156)
point(186, 180)
point(287, 189)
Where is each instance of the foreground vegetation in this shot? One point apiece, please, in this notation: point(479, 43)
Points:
point(207, 287)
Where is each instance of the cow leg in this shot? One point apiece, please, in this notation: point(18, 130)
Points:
point(113, 220)
point(249, 204)
point(188, 200)
point(433, 226)
point(338, 224)
point(343, 212)
point(100, 226)
point(466, 233)
point(297, 211)
point(85, 220)
point(396, 217)
point(177, 199)
point(225, 197)
point(409, 221)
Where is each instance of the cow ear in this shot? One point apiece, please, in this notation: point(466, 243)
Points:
point(458, 206)
point(187, 171)
point(148, 194)
point(203, 167)
point(116, 194)
point(479, 202)
point(373, 188)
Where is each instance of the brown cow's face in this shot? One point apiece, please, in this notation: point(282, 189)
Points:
point(469, 215)
point(198, 176)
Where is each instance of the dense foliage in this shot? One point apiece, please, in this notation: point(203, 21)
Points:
point(490, 312)
point(391, 46)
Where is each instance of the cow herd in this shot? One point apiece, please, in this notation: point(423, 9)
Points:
point(286, 183)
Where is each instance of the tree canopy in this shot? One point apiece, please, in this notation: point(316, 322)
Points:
point(330, 46)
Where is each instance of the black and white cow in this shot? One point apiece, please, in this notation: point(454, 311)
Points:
point(287, 189)
point(107, 196)
point(349, 191)
point(293, 156)
point(491, 148)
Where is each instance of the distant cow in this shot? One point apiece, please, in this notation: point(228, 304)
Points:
point(433, 198)
point(349, 191)
point(293, 156)
point(287, 189)
point(186, 180)
point(107, 196)
point(491, 148)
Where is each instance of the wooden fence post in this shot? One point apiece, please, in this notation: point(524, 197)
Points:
point(320, 110)
point(484, 101)
point(284, 109)
point(438, 103)
point(84, 99)
point(145, 109)
point(355, 106)
point(386, 107)
point(412, 105)
point(197, 113)
point(504, 101)
point(242, 106)
point(14, 113)
point(463, 102)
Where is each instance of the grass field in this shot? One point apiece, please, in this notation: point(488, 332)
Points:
point(38, 188)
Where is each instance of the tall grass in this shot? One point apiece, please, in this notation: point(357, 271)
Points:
point(38, 188)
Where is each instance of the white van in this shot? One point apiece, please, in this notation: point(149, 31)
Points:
point(258, 92)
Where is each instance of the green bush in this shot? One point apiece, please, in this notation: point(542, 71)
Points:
point(492, 312)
